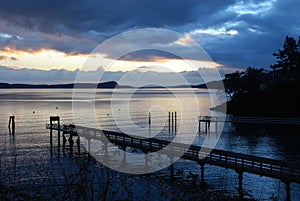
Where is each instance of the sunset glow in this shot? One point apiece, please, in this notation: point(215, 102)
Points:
point(47, 59)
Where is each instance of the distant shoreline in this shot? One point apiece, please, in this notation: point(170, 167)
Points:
point(103, 85)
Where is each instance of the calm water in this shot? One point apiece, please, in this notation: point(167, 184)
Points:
point(26, 159)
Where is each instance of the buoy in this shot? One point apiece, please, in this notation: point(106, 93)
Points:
point(56, 107)
point(33, 112)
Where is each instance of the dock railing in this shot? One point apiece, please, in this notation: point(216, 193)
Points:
point(251, 120)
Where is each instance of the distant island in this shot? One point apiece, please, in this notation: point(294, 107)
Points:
point(105, 85)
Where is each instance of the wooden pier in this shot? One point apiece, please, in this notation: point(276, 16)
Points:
point(68, 131)
point(208, 120)
point(286, 172)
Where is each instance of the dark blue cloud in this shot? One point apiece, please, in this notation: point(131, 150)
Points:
point(103, 15)
point(259, 36)
point(79, 25)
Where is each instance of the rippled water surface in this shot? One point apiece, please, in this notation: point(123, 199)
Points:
point(26, 158)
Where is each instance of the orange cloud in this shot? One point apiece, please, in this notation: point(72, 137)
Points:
point(6, 58)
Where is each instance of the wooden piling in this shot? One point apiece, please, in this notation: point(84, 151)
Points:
point(64, 140)
point(51, 130)
point(169, 122)
point(78, 145)
point(11, 124)
point(175, 122)
point(172, 122)
point(54, 119)
point(202, 172)
point(71, 142)
point(288, 190)
point(240, 189)
point(58, 132)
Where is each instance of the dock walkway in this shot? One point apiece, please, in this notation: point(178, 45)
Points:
point(286, 172)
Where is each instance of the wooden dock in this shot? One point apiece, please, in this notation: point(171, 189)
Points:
point(251, 120)
point(286, 172)
point(208, 120)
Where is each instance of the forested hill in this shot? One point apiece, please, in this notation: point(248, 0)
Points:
point(111, 84)
point(255, 92)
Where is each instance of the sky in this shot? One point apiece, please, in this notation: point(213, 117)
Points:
point(49, 41)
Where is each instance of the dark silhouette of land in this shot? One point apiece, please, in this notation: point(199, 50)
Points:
point(256, 92)
point(108, 85)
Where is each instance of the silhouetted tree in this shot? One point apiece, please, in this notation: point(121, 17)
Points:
point(288, 59)
point(243, 82)
point(252, 79)
point(232, 83)
point(251, 93)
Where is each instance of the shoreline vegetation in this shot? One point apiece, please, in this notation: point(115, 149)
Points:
point(257, 92)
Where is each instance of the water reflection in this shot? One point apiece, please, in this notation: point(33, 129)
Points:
point(28, 147)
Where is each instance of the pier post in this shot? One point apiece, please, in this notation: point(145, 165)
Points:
point(78, 144)
point(53, 119)
point(71, 142)
point(207, 126)
point(202, 172)
point(169, 122)
point(199, 126)
point(288, 190)
point(149, 118)
point(64, 140)
point(172, 122)
point(11, 124)
point(175, 122)
point(51, 139)
point(240, 177)
point(58, 132)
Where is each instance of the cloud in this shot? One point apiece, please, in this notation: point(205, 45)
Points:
point(6, 58)
point(149, 55)
point(215, 32)
point(251, 7)
point(261, 27)
point(3, 58)
point(234, 33)
point(104, 16)
point(78, 26)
